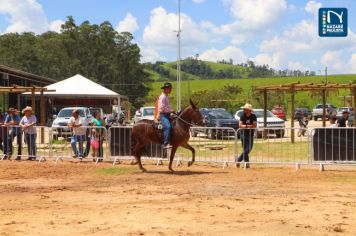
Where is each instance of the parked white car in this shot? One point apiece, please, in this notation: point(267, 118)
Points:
point(96, 110)
point(144, 113)
point(275, 125)
point(340, 110)
point(60, 124)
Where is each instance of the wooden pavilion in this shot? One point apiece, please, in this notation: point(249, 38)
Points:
point(293, 88)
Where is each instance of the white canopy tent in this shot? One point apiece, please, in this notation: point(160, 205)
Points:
point(79, 86)
point(78, 91)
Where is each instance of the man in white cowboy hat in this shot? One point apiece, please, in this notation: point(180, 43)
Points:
point(247, 125)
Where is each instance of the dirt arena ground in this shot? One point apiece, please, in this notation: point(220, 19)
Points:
point(83, 199)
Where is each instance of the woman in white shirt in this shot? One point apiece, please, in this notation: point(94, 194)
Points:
point(27, 124)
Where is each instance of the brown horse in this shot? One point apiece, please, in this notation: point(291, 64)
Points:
point(143, 133)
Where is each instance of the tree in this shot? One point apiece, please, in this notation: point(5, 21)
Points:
point(95, 51)
point(226, 97)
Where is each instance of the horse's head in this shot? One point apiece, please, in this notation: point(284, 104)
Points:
point(194, 114)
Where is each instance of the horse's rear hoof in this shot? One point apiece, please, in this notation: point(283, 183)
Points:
point(190, 163)
point(143, 170)
point(171, 170)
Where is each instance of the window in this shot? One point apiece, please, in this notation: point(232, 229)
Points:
point(68, 113)
point(259, 113)
point(220, 114)
point(148, 111)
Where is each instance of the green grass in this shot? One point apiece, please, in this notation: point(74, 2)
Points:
point(302, 98)
point(172, 68)
point(115, 170)
point(153, 75)
point(215, 67)
point(263, 151)
point(242, 71)
point(60, 141)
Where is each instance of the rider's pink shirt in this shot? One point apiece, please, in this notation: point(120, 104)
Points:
point(163, 104)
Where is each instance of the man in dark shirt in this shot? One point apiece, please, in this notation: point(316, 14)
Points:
point(247, 125)
point(12, 121)
point(342, 121)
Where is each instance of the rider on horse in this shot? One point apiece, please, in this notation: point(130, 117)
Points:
point(163, 113)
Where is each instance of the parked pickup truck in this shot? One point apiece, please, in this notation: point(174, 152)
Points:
point(318, 111)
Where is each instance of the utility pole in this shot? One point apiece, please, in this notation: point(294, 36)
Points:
point(179, 61)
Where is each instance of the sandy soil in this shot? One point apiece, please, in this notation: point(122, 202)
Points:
point(83, 199)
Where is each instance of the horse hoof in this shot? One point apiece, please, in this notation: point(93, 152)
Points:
point(190, 163)
point(143, 170)
point(171, 170)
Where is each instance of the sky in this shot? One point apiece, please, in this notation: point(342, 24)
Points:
point(280, 33)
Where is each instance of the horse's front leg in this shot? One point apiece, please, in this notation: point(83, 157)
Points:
point(171, 157)
point(187, 146)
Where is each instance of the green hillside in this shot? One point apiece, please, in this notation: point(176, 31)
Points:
point(302, 98)
point(192, 69)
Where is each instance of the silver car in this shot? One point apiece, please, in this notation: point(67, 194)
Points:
point(340, 110)
point(60, 124)
point(144, 113)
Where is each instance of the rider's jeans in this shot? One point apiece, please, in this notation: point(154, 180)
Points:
point(166, 128)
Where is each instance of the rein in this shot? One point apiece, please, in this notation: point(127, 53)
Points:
point(184, 121)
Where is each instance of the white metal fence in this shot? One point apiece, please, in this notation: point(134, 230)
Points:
point(336, 146)
point(90, 144)
point(120, 146)
point(20, 144)
point(212, 145)
point(276, 146)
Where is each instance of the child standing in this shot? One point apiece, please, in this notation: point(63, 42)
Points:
point(94, 143)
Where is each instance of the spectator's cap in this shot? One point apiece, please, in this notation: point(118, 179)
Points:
point(28, 108)
point(345, 112)
point(167, 85)
point(11, 109)
point(247, 106)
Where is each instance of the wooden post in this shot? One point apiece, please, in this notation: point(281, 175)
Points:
point(33, 100)
point(43, 115)
point(264, 134)
point(292, 114)
point(354, 95)
point(324, 107)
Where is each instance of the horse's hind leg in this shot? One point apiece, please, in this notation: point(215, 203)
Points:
point(137, 153)
point(138, 158)
point(173, 152)
point(187, 146)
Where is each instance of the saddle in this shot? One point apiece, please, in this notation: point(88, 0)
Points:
point(158, 127)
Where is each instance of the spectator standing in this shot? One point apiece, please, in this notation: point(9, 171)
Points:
point(94, 143)
point(27, 124)
point(247, 125)
point(78, 134)
point(100, 123)
point(332, 121)
point(342, 121)
point(3, 129)
point(12, 121)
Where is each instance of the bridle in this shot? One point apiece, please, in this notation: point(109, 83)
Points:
point(184, 121)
